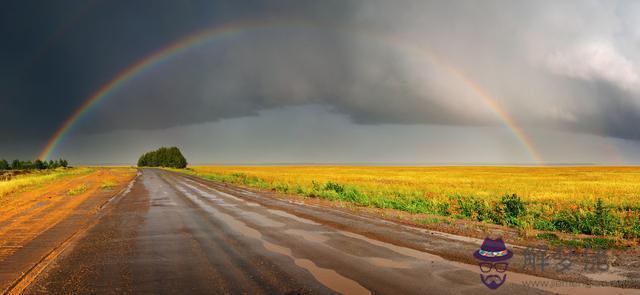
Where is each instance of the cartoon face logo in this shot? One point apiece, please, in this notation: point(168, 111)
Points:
point(493, 258)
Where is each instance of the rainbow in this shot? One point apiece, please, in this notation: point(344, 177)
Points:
point(234, 28)
point(505, 116)
point(508, 120)
point(489, 100)
point(133, 70)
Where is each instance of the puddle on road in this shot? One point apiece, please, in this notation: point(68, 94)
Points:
point(332, 279)
point(126, 191)
point(229, 196)
point(514, 277)
point(383, 262)
point(216, 193)
point(163, 202)
point(129, 187)
point(291, 216)
point(131, 183)
point(307, 235)
point(400, 250)
point(207, 195)
point(246, 191)
point(262, 220)
point(328, 277)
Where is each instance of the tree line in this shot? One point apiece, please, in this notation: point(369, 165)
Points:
point(32, 165)
point(163, 157)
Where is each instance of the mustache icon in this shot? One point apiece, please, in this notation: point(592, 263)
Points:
point(492, 278)
point(493, 281)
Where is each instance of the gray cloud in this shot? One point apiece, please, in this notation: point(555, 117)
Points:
point(310, 134)
point(567, 66)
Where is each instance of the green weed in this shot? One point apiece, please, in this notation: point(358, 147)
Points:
point(107, 185)
point(77, 190)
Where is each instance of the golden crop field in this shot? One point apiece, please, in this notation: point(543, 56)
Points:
point(588, 200)
point(37, 178)
point(33, 203)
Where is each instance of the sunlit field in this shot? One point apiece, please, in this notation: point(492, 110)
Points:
point(37, 178)
point(40, 201)
point(62, 188)
point(582, 200)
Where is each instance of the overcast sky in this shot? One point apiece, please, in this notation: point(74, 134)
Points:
point(404, 82)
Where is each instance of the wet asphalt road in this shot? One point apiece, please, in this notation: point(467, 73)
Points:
point(173, 234)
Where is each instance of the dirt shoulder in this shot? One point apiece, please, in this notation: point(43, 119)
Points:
point(38, 219)
point(457, 239)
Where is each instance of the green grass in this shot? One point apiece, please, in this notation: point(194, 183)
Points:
point(38, 178)
point(566, 211)
point(77, 190)
point(594, 243)
point(107, 185)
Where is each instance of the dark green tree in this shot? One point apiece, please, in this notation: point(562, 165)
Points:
point(27, 165)
point(38, 164)
point(176, 159)
point(16, 165)
point(4, 165)
point(163, 157)
point(142, 161)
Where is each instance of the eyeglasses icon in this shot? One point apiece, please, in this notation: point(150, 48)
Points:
point(499, 267)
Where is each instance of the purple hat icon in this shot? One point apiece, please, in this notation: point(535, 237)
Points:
point(493, 251)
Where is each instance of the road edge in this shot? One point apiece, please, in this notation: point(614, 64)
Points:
point(429, 232)
point(28, 277)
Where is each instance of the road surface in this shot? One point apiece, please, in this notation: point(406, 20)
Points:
point(171, 233)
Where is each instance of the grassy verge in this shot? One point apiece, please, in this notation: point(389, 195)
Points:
point(37, 178)
point(573, 200)
point(108, 184)
point(77, 190)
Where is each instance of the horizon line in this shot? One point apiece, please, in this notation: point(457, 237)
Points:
point(415, 164)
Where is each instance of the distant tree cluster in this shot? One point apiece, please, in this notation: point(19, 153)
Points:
point(32, 165)
point(163, 157)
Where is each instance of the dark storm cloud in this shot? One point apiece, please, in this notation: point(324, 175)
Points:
point(270, 68)
point(617, 115)
point(550, 65)
point(55, 54)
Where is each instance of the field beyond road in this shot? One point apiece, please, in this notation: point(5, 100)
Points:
point(602, 201)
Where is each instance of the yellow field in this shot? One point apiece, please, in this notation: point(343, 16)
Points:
point(31, 204)
point(37, 178)
point(555, 184)
point(552, 198)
